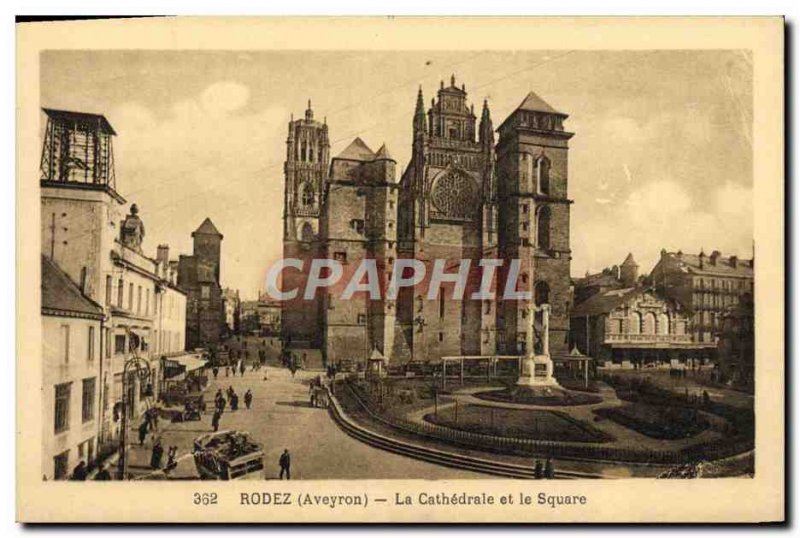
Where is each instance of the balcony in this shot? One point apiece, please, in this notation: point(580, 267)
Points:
point(648, 339)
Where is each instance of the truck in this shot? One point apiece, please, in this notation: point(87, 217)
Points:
point(228, 455)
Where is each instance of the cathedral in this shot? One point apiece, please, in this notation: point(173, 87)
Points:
point(463, 196)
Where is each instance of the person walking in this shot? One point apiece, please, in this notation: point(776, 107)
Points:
point(171, 463)
point(234, 401)
point(102, 474)
point(242, 369)
point(215, 371)
point(142, 432)
point(549, 470)
point(285, 463)
point(227, 370)
point(79, 472)
point(215, 419)
point(158, 453)
point(248, 398)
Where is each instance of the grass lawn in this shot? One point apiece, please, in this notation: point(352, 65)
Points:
point(658, 422)
point(519, 423)
point(525, 395)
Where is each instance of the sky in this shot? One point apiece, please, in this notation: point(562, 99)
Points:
point(661, 157)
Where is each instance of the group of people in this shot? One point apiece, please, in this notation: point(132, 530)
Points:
point(81, 473)
point(220, 402)
point(544, 471)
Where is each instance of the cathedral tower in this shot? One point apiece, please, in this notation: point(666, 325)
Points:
point(305, 171)
point(534, 222)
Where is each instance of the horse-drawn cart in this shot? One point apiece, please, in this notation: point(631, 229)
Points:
point(228, 455)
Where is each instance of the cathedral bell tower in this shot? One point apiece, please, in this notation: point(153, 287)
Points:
point(305, 172)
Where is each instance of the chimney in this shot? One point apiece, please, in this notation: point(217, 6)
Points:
point(734, 262)
point(714, 257)
point(162, 254)
point(702, 258)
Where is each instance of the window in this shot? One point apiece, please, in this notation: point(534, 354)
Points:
point(441, 303)
point(362, 319)
point(62, 407)
point(120, 290)
point(340, 257)
point(61, 466)
point(357, 225)
point(308, 194)
point(130, 296)
point(147, 302)
point(541, 293)
point(543, 228)
point(139, 300)
point(119, 344)
point(108, 343)
point(524, 209)
point(543, 175)
point(90, 347)
point(441, 337)
point(634, 323)
point(87, 405)
point(205, 292)
point(108, 290)
point(65, 343)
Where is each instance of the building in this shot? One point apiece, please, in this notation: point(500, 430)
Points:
point(269, 317)
point(231, 302)
point(736, 348)
point(461, 197)
point(84, 233)
point(706, 285)
point(199, 276)
point(72, 325)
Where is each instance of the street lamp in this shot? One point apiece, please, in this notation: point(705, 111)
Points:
point(141, 369)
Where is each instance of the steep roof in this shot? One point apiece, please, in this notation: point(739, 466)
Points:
point(629, 261)
point(207, 228)
point(81, 117)
point(724, 266)
point(383, 153)
point(61, 295)
point(534, 103)
point(357, 151)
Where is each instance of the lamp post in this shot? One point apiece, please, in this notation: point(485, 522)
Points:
point(141, 369)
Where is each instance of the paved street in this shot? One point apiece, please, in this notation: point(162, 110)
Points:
point(281, 417)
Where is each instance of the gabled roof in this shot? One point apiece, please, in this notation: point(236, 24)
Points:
point(207, 228)
point(81, 117)
point(724, 266)
point(61, 295)
point(534, 103)
point(604, 302)
point(356, 151)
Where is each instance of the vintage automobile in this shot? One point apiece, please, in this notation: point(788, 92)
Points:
point(228, 455)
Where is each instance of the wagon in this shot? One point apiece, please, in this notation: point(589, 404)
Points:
point(228, 455)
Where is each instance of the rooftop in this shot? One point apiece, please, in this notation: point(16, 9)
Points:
point(81, 117)
point(207, 228)
point(357, 151)
point(61, 294)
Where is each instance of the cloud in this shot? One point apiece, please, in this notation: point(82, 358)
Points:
point(224, 97)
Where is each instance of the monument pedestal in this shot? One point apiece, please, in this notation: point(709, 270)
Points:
point(537, 371)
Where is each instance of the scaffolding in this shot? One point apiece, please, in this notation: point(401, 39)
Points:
point(78, 148)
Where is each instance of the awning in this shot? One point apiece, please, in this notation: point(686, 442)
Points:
point(191, 362)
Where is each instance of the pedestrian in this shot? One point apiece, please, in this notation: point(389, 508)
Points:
point(538, 470)
point(142, 432)
point(285, 463)
point(230, 391)
point(215, 371)
point(158, 452)
point(79, 472)
point(234, 401)
point(171, 463)
point(227, 369)
point(215, 419)
point(248, 398)
point(222, 403)
point(242, 369)
point(102, 474)
point(549, 470)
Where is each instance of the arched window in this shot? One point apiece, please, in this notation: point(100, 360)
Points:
point(543, 228)
point(663, 324)
point(308, 194)
point(543, 175)
point(307, 233)
point(541, 293)
point(649, 326)
point(528, 172)
point(303, 151)
point(634, 323)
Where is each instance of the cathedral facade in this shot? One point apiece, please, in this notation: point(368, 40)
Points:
point(462, 197)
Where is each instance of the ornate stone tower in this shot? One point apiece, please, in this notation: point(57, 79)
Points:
point(446, 211)
point(534, 221)
point(305, 171)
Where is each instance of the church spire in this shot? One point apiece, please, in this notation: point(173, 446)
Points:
point(309, 112)
point(486, 131)
point(419, 115)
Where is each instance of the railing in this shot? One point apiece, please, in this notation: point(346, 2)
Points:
point(712, 450)
point(648, 338)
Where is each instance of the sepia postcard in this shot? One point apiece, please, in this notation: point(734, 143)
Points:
point(401, 270)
